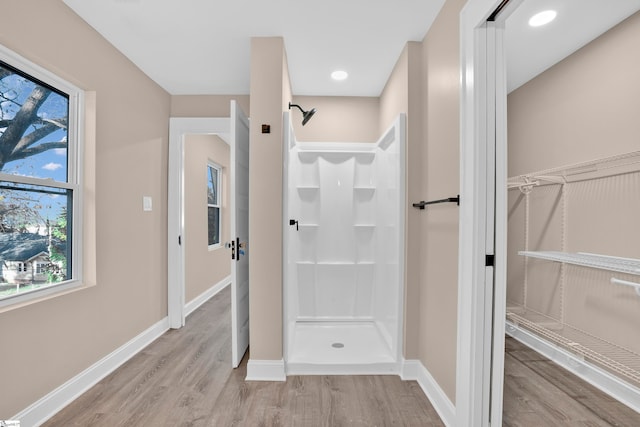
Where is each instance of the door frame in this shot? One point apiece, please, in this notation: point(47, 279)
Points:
point(178, 128)
point(483, 174)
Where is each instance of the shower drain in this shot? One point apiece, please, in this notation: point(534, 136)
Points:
point(337, 345)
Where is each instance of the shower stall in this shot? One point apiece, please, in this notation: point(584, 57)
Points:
point(344, 254)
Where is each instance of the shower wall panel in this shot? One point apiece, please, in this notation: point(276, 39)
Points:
point(345, 203)
point(344, 244)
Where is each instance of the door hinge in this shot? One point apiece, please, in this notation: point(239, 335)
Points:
point(489, 260)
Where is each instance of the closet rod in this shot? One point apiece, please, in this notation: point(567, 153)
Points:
point(421, 205)
point(634, 285)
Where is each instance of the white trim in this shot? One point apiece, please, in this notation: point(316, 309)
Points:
point(212, 165)
point(195, 303)
point(40, 411)
point(599, 378)
point(409, 369)
point(415, 370)
point(76, 139)
point(178, 127)
point(471, 406)
point(265, 370)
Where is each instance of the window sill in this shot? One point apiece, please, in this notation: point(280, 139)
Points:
point(25, 300)
point(215, 247)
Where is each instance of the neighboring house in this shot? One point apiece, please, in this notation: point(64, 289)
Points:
point(24, 257)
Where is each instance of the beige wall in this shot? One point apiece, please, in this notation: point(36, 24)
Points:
point(584, 108)
point(403, 94)
point(440, 163)
point(270, 95)
point(53, 340)
point(206, 105)
point(203, 267)
point(338, 119)
point(425, 83)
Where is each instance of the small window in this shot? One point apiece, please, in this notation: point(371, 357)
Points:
point(39, 178)
point(41, 268)
point(214, 177)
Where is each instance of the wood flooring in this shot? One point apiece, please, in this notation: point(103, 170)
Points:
point(185, 379)
point(537, 392)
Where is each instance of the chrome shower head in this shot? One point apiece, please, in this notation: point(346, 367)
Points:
point(306, 115)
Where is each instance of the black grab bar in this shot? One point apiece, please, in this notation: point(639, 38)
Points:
point(421, 205)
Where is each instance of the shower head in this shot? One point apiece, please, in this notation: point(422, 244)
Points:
point(306, 115)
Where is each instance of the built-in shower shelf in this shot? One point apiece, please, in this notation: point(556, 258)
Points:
point(364, 188)
point(602, 262)
point(308, 226)
point(311, 155)
point(364, 226)
point(308, 187)
point(323, 263)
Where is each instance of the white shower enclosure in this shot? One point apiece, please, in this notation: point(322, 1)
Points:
point(344, 212)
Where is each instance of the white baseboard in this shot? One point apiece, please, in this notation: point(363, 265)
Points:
point(594, 375)
point(415, 370)
point(409, 370)
point(45, 408)
point(265, 370)
point(193, 305)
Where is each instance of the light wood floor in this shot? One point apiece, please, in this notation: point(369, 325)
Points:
point(185, 379)
point(537, 392)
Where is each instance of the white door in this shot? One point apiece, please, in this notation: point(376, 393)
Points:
point(239, 234)
point(481, 307)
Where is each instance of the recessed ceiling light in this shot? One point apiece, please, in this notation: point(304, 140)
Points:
point(542, 18)
point(339, 75)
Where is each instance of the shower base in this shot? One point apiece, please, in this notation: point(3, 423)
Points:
point(339, 348)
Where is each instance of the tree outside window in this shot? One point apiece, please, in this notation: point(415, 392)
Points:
point(38, 183)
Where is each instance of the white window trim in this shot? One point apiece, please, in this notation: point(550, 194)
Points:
point(214, 165)
point(74, 174)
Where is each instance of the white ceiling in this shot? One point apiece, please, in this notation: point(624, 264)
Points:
point(203, 46)
point(530, 50)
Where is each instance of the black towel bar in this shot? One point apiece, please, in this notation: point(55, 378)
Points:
point(422, 204)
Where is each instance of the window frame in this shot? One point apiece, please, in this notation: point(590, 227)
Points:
point(218, 168)
point(75, 141)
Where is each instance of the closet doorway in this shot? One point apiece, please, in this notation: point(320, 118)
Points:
point(570, 193)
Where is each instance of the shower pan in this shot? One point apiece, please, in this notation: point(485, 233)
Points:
point(344, 254)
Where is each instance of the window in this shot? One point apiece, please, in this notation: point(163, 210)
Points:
point(39, 179)
point(41, 268)
point(213, 203)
